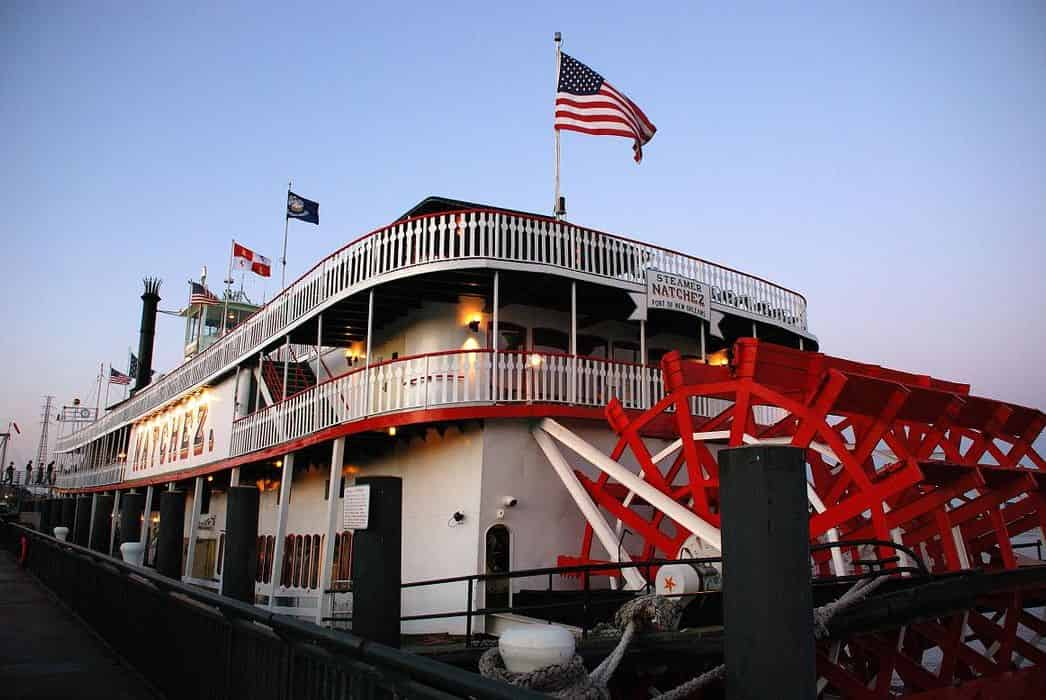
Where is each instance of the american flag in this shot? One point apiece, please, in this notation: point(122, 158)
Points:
point(117, 377)
point(587, 103)
point(201, 295)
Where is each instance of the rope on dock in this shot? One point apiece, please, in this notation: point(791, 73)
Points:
point(645, 613)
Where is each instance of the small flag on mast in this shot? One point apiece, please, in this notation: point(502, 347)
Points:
point(243, 258)
point(302, 209)
point(201, 295)
point(588, 104)
point(117, 377)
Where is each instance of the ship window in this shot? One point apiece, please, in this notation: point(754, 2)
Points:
point(498, 562)
point(591, 346)
point(551, 340)
point(625, 351)
point(511, 337)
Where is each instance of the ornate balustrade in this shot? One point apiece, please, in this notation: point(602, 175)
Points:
point(430, 242)
point(456, 378)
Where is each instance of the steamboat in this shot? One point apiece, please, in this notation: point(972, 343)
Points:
point(529, 410)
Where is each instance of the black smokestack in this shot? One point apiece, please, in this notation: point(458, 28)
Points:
point(150, 301)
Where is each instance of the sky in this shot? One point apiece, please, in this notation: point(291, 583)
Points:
point(887, 161)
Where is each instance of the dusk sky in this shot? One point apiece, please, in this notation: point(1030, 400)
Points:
point(888, 162)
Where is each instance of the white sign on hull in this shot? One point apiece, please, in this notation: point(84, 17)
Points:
point(670, 292)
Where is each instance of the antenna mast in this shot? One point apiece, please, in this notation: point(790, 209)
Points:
point(45, 421)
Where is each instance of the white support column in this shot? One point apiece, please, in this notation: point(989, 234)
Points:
point(112, 520)
point(801, 344)
point(286, 364)
point(194, 522)
point(146, 515)
point(281, 525)
point(234, 476)
point(495, 338)
point(755, 331)
point(704, 354)
point(323, 609)
point(319, 344)
point(90, 526)
point(573, 341)
point(642, 342)
point(366, 360)
point(236, 395)
point(261, 378)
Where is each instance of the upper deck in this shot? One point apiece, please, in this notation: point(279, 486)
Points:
point(465, 238)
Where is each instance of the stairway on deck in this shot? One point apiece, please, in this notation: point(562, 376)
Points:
point(299, 377)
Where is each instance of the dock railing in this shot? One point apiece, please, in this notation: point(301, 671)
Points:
point(191, 643)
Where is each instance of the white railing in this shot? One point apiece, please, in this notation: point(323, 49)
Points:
point(456, 378)
point(108, 474)
point(440, 238)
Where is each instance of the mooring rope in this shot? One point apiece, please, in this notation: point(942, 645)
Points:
point(651, 613)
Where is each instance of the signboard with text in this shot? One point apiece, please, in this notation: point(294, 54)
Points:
point(677, 293)
point(356, 513)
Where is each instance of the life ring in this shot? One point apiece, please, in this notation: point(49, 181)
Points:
point(23, 551)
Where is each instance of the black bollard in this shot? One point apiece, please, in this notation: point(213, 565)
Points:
point(102, 524)
point(240, 565)
point(376, 563)
point(131, 507)
point(68, 516)
point(169, 540)
point(767, 598)
point(43, 507)
point(81, 525)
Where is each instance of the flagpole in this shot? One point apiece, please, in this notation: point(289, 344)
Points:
point(107, 385)
point(228, 290)
point(558, 39)
point(98, 396)
point(286, 223)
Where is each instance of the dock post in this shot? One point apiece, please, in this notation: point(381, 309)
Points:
point(68, 516)
point(376, 563)
point(240, 565)
point(81, 524)
point(102, 526)
point(767, 597)
point(171, 536)
point(132, 506)
point(44, 507)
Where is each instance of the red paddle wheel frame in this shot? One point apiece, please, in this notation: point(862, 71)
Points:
point(890, 454)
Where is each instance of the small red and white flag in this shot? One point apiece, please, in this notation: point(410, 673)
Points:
point(243, 258)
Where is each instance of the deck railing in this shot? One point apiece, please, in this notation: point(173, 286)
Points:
point(443, 238)
point(455, 378)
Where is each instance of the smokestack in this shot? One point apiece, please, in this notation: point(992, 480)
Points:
point(150, 301)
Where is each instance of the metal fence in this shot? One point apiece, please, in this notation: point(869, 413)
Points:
point(193, 644)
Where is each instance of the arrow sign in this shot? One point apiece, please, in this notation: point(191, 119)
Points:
point(639, 313)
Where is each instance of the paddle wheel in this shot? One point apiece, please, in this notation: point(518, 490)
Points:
point(890, 456)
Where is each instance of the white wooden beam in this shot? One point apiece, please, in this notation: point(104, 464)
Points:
point(323, 609)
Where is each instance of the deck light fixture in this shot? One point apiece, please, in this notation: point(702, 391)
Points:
point(392, 430)
point(474, 325)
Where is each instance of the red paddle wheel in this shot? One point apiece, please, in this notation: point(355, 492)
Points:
point(890, 455)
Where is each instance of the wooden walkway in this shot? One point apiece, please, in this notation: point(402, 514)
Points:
point(47, 652)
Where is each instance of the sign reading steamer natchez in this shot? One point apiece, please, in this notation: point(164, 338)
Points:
point(677, 293)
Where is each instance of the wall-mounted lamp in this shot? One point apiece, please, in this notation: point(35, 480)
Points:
point(210, 478)
point(456, 519)
point(392, 430)
point(279, 463)
point(474, 325)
